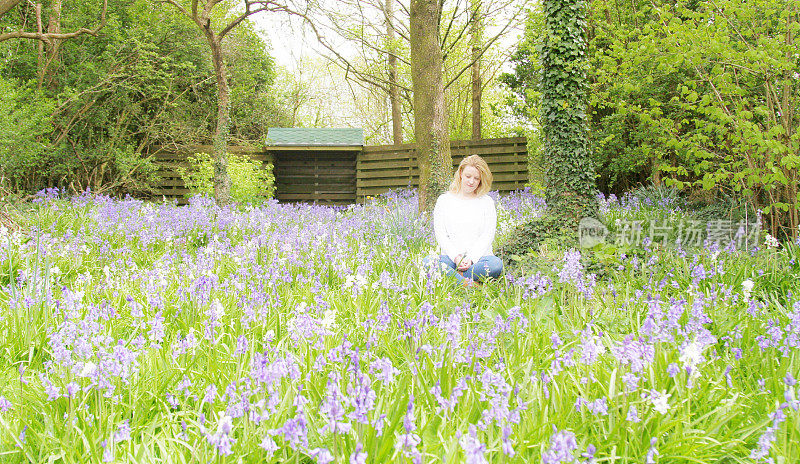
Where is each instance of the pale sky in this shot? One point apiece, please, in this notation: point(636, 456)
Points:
point(286, 36)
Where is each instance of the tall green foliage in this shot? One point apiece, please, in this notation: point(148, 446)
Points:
point(251, 181)
point(569, 172)
point(145, 80)
point(740, 98)
point(24, 120)
point(702, 94)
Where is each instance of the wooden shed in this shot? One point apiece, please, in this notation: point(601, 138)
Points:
point(316, 165)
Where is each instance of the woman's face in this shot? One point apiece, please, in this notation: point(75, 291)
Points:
point(470, 180)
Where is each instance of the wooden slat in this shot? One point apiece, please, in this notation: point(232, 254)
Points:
point(171, 192)
point(171, 183)
point(317, 185)
point(296, 188)
point(351, 197)
point(318, 163)
point(293, 178)
point(377, 165)
point(311, 172)
point(384, 156)
point(388, 182)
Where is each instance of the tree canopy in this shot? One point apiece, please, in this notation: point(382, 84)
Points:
point(145, 80)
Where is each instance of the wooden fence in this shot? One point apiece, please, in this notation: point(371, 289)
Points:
point(386, 167)
point(378, 169)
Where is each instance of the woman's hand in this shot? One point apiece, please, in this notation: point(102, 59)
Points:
point(463, 263)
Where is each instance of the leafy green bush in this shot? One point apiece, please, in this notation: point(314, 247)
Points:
point(547, 229)
point(24, 123)
point(251, 180)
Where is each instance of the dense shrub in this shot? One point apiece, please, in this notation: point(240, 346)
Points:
point(251, 180)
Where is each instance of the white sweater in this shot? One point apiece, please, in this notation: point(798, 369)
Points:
point(464, 225)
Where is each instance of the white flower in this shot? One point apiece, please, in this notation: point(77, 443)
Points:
point(692, 355)
point(771, 242)
point(354, 280)
point(329, 319)
point(216, 310)
point(660, 401)
point(747, 288)
point(225, 424)
point(89, 368)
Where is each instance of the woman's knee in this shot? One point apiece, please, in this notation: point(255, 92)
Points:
point(494, 266)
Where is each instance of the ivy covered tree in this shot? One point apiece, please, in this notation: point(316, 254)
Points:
point(569, 171)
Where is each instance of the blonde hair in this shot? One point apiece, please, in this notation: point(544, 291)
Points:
point(478, 163)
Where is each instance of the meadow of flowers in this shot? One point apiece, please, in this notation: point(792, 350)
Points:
point(148, 333)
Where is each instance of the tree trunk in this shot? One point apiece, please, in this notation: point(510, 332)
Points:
point(53, 27)
point(7, 5)
point(222, 181)
point(476, 38)
point(40, 59)
point(394, 94)
point(430, 111)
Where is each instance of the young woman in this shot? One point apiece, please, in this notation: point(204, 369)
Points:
point(464, 223)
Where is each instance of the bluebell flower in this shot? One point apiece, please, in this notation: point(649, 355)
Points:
point(5, 405)
point(633, 415)
point(123, 432)
point(358, 456)
point(652, 452)
point(473, 448)
point(562, 446)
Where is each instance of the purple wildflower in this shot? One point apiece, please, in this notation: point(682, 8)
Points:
point(555, 340)
point(598, 406)
point(210, 395)
point(631, 381)
point(123, 432)
point(652, 452)
point(633, 415)
point(322, 455)
point(241, 345)
point(268, 444)
point(562, 445)
point(508, 445)
point(573, 269)
point(358, 456)
point(5, 405)
point(384, 370)
point(23, 434)
point(221, 439)
point(407, 442)
point(473, 448)
point(332, 409)
point(108, 453)
point(362, 398)
point(673, 369)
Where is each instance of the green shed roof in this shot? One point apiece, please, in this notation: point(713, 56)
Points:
point(315, 137)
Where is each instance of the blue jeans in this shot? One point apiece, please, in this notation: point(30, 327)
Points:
point(484, 268)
